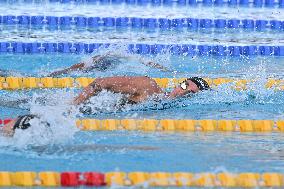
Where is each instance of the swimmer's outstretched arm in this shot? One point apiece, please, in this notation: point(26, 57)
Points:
point(156, 65)
point(75, 67)
point(116, 84)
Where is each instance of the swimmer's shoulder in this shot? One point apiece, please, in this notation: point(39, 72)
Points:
point(145, 80)
point(151, 84)
point(137, 80)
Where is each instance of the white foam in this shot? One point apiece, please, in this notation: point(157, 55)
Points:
point(58, 114)
point(105, 101)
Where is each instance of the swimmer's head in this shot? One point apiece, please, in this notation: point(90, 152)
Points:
point(190, 85)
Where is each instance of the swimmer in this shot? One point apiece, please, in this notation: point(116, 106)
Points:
point(21, 122)
point(98, 62)
point(134, 89)
point(103, 63)
point(139, 89)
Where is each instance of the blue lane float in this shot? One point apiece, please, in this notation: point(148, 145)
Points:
point(150, 23)
point(65, 22)
point(248, 24)
point(255, 3)
point(220, 23)
point(122, 22)
point(175, 49)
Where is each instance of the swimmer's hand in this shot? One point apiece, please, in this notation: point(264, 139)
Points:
point(158, 66)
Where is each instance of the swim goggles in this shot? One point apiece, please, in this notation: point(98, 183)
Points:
point(184, 85)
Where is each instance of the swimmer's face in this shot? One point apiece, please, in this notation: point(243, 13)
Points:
point(184, 88)
point(7, 130)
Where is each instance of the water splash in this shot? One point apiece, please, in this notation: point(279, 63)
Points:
point(135, 63)
point(257, 88)
point(55, 122)
point(104, 102)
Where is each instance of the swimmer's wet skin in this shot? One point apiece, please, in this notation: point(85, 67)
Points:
point(139, 89)
point(103, 63)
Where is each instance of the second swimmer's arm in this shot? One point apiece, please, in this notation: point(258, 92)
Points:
point(156, 65)
point(146, 63)
point(75, 67)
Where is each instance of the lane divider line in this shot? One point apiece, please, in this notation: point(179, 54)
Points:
point(172, 125)
point(185, 125)
point(68, 22)
point(14, 83)
point(154, 179)
point(154, 49)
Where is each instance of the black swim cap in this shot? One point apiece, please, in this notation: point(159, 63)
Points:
point(23, 122)
point(201, 83)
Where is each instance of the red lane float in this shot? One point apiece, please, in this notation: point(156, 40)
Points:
point(70, 179)
point(5, 121)
point(94, 179)
point(78, 179)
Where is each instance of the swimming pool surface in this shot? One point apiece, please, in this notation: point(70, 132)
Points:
point(193, 152)
point(106, 151)
point(64, 148)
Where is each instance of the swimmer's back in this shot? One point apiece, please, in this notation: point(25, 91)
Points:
point(133, 84)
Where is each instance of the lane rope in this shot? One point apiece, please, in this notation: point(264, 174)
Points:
point(154, 49)
point(65, 22)
point(171, 125)
point(14, 83)
point(154, 179)
point(185, 125)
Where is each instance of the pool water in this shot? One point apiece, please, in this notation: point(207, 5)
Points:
point(64, 148)
point(132, 151)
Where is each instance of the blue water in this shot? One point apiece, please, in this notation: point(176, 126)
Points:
point(194, 152)
point(63, 148)
point(255, 103)
point(138, 151)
